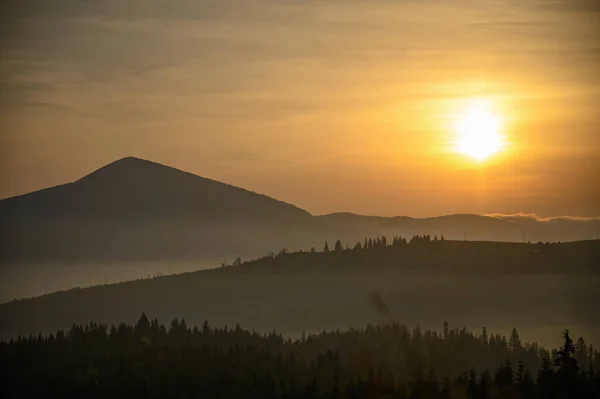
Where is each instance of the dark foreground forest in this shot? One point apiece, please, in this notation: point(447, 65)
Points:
point(389, 361)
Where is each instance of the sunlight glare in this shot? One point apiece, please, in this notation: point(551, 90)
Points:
point(478, 132)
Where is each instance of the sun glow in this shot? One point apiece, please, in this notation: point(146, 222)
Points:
point(478, 132)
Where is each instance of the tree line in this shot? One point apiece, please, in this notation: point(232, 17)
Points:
point(426, 251)
point(149, 359)
point(382, 241)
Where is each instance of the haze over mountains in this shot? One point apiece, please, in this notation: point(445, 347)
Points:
point(133, 211)
point(540, 288)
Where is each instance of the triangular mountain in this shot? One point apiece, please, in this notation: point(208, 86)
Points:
point(134, 188)
point(139, 209)
point(142, 186)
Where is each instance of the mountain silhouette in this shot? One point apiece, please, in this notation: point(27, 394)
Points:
point(134, 210)
point(133, 188)
point(138, 209)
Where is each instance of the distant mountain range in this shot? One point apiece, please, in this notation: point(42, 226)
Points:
point(133, 209)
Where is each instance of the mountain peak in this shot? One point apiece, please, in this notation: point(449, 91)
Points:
point(135, 185)
point(131, 191)
point(131, 160)
point(124, 167)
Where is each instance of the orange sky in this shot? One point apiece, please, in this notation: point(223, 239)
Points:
point(332, 106)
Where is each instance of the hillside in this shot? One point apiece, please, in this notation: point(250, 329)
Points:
point(134, 218)
point(137, 210)
point(133, 188)
point(134, 209)
point(155, 360)
point(472, 283)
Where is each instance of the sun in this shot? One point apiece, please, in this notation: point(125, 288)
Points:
point(478, 132)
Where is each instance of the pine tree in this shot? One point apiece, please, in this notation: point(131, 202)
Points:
point(526, 387)
point(568, 370)
point(206, 328)
point(504, 379)
point(143, 326)
point(581, 352)
point(520, 371)
point(514, 343)
point(338, 246)
point(565, 359)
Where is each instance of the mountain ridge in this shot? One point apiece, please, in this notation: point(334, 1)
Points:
point(138, 212)
point(149, 178)
point(421, 281)
point(136, 209)
point(119, 164)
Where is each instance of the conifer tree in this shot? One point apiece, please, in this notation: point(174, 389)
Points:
point(338, 246)
point(514, 342)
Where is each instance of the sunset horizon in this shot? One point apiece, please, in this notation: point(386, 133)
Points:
point(275, 199)
point(521, 214)
point(284, 99)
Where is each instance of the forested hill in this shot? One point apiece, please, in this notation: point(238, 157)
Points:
point(422, 280)
point(151, 360)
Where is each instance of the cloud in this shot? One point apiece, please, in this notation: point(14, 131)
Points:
point(27, 94)
point(532, 217)
point(571, 5)
point(130, 10)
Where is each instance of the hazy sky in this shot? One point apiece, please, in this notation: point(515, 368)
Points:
point(341, 105)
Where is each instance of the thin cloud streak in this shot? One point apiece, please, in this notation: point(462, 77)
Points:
point(534, 217)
